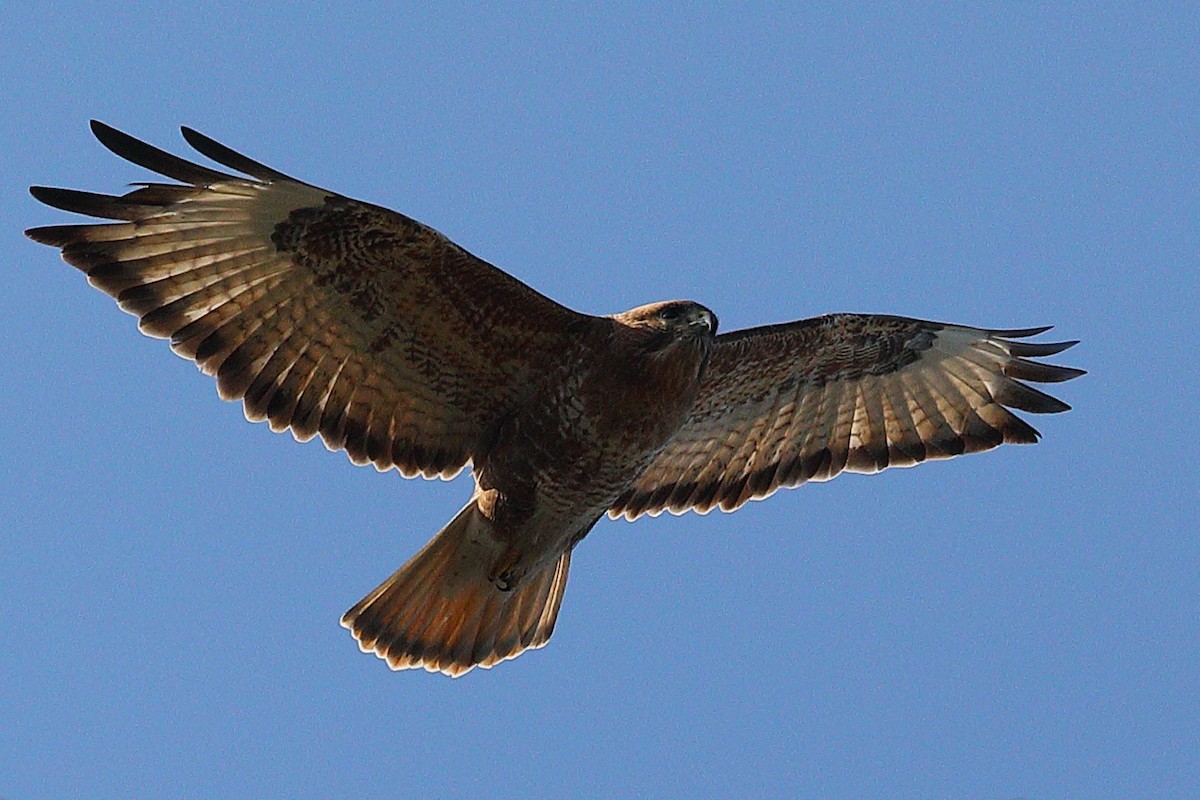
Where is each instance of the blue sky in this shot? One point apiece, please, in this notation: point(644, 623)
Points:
point(1023, 623)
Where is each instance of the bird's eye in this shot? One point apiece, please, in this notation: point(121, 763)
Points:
point(671, 313)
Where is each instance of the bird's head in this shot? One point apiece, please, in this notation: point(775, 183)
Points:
point(669, 343)
point(677, 319)
point(669, 329)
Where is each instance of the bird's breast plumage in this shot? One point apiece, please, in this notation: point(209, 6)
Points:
point(587, 432)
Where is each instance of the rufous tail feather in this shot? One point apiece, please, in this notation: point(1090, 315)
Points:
point(440, 612)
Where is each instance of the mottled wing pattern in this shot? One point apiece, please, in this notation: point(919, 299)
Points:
point(323, 314)
point(785, 404)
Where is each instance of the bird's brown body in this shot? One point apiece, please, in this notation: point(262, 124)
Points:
point(560, 461)
point(328, 316)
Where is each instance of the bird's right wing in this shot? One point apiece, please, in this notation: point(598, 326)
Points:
point(323, 314)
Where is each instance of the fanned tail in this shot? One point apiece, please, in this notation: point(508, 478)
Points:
point(440, 612)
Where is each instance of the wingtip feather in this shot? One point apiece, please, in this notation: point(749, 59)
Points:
point(1020, 333)
point(152, 158)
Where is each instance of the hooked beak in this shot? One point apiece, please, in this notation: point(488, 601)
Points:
point(701, 319)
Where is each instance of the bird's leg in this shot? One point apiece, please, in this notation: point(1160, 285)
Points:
point(503, 575)
point(510, 511)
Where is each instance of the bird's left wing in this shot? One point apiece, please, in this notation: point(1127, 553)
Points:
point(803, 401)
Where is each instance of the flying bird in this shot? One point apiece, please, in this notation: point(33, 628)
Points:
point(329, 316)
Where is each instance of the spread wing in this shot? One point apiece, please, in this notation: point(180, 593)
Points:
point(323, 314)
point(785, 404)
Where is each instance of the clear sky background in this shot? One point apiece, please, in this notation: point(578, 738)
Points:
point(1019, 624)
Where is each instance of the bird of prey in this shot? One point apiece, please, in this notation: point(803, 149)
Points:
point(326, 315)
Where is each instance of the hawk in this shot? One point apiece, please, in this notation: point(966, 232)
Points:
point(329, 316)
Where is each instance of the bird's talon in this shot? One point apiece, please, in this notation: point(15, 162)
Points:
point(502, 576)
